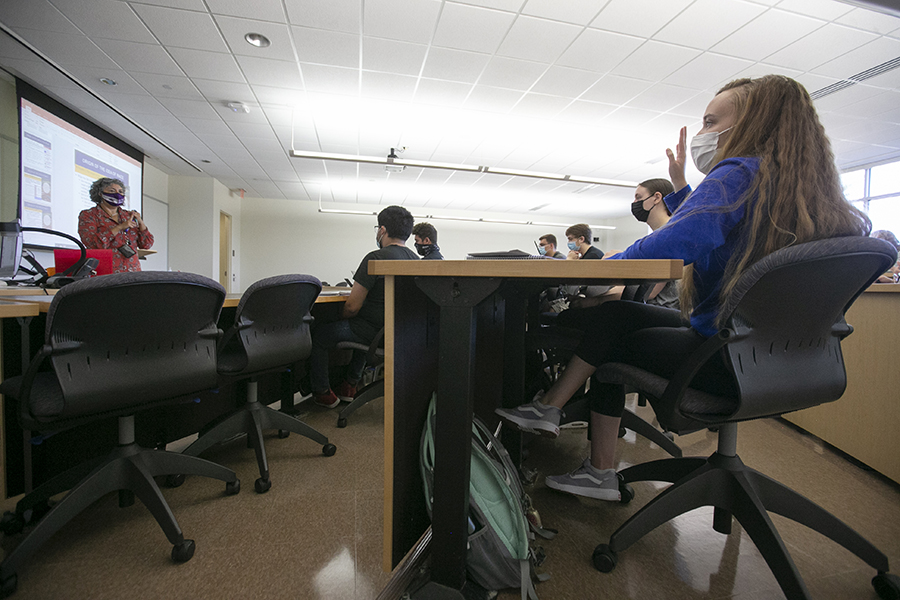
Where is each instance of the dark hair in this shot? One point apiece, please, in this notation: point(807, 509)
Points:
point(551, 239)
point(425, 230)
point(888, 236)
point(581, 230)
point(397, 221)
point(663, 186)
point(97, 186)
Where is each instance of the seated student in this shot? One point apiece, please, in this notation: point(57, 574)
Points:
point(893, 275)
point(363, 312)
point(547, 246)
point(580, 237)
point(654, 192)
point(426, 241)
point(762, 148)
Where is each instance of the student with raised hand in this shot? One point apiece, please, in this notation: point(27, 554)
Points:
point(771, 182)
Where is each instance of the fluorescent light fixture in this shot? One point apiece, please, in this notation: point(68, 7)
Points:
point(347, 212)
point(427, 164)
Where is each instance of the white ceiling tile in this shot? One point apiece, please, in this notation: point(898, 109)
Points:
point(74, 97)
point(224, 91)
point(278, 96)
point(159, 124)
point(141, 58)
point(264, 10)
point(613, 89)
point(888, 80)
point(511, 73)
point(820, 46)
point(27, 13)
point(876, 106)
point(663, 97)
point(105, 18)
point(274, 73)
point(580, 12)
point(870, 20)
point(189, 108)
point(230, 116)
point(598, 51)
point(182, 28)
point(566, 82)
point(405, 20)
point(808, 80)
point(638, 17)
point(390, 56)
point(539, 106)
point(454, 65)
point(443, 93)
point(768, 33)
point(492, 99)
point(136, 103)
point(821, 9)
point(539, 40)
point(585, 112)
point(215, 126)
point(389, 86)
point(68, 49)
point(707, 70)
point(706, 22)
point(167, 86)
point(334, 80)
point(196, 5)
point(847, 96)
point(326, 47)
point(694, 108)
point(629, 118)
point(234, 30)
point(210, 65)
point(337, 15)
point(507, 5)
point(861, 59)
point(472, 28)
point(655, 60)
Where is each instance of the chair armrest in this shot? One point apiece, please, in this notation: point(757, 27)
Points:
point(371, 355)
point(33, 368)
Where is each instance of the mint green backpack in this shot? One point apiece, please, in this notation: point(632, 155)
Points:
point(500, 553)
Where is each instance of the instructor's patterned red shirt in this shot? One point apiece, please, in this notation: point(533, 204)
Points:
point(95, 231)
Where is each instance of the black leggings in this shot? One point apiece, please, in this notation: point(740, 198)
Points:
point(651, 337)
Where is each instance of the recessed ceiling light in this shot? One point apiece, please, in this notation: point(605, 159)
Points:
point(108, 81)
point(258, 40)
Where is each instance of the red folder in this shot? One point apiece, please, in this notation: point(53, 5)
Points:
point(65, 258)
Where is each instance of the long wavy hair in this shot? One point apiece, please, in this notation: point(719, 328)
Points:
point(796, 195)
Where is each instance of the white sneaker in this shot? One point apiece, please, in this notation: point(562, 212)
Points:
point(533, 418)
point(588, 481)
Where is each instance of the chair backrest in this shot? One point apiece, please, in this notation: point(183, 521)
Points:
point(787, 315)
point(271, 326)
point(130, 339)
point(637, 293)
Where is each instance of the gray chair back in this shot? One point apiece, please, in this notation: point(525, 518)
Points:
point(121, 341)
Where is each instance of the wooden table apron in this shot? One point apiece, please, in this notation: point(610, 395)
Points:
point(458, 327)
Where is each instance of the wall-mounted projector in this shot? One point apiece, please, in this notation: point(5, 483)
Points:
point(392, 168)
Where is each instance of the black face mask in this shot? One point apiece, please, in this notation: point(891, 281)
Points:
point(426, 249)
point(637, 209)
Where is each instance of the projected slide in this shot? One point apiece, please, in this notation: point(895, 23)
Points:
point(59, 163)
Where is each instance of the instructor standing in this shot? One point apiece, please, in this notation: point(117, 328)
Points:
point(108, 226)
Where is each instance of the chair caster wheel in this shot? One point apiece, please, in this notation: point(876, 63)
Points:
point(621, 432)
point(329, 449)
point(174, 481)
point(626, 492)
point(342, 422)
point(604, 559)
point(262, 485)
point(283, 433)
point(887, 586)
point(12, 523)
point(183, 552)
point(8, 586)
point(233, 487)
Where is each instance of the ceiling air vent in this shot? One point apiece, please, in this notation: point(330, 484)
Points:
point(854, 79)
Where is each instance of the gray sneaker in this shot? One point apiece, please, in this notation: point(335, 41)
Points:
point(587, 481)
point(533, 418)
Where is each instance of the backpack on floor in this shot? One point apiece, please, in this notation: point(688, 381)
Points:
point(502, 521)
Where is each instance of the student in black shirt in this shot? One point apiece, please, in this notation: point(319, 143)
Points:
point(580, 248)
point(426, 241)
point(363, 313)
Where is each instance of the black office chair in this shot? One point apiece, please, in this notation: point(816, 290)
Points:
point(372, 391)
point(270, 334)
point(785, 321)
point(117, 344)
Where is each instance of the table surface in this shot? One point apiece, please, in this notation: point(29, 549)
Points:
point(611, 270)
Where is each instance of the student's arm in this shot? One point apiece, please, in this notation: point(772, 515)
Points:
point(355, 300)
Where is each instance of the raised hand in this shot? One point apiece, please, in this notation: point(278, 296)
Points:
point(677, 161)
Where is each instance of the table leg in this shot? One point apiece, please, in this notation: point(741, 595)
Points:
point(25, 326)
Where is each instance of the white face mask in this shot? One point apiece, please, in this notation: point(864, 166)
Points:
point(703, 150)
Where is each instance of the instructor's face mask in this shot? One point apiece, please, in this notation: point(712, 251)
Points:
point(703, 150)
point(638, 210)
point(113, 198)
